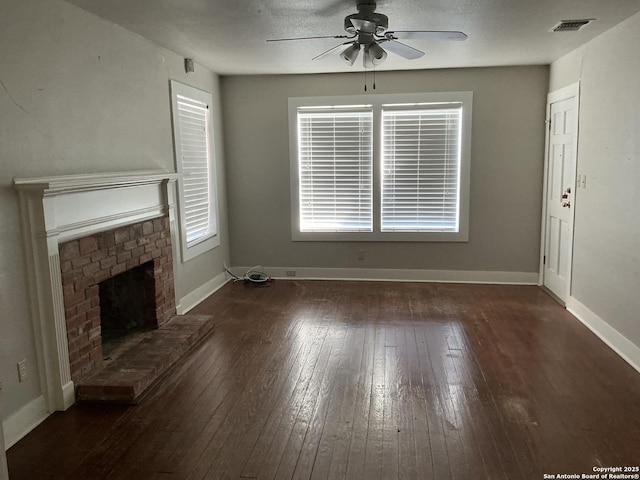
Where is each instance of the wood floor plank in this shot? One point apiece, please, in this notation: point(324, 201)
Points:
point(356, 459)
point(375, 420)
point(434, 417)
point(344, 434)
point(391, 411)
point(407, 468)
point(362, 380)
point(422, 447)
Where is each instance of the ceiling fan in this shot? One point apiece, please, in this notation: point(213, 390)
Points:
point(367, 31)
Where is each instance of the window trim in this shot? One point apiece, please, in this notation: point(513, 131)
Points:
point(377, 102)
point(210, 240)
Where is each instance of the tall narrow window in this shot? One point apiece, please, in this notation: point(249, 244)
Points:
point(193, 140)
point(335, 170)
point(421, 169)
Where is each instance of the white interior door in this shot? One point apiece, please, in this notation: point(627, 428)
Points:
point(562, 142)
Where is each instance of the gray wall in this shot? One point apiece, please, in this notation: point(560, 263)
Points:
point(606, 254)
point(506, 171)
point(78, 95)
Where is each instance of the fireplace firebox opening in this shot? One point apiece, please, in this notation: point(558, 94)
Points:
point(127, 307)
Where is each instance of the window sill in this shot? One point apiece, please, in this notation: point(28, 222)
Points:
point(198, 248)
point(462, 236)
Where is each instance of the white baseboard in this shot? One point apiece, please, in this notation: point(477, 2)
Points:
point(24, 420)
point(68, 395)
point(192, 299)
point(398, 275)
point(620, 344)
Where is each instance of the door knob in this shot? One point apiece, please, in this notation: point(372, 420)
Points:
point(566, 204)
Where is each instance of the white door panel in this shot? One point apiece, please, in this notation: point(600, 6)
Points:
point(560, 193)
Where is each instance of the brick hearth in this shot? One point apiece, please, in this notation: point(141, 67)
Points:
point(151, 355)
point(87, 261)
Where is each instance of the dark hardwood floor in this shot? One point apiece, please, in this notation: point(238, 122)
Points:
point(358, 380)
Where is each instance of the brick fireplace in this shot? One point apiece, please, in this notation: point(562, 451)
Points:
point(88, 261)
point(79, 230)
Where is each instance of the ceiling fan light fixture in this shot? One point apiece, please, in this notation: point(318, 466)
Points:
point(350, 54)
point(374, 55)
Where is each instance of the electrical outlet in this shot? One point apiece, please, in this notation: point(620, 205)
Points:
point(291, 273)
point(22, 370)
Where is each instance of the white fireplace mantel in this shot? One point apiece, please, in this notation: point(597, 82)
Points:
point(62, 208)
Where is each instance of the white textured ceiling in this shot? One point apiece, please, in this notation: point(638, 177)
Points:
point(229, 36)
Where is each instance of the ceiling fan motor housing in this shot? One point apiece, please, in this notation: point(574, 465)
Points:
point(379, 20)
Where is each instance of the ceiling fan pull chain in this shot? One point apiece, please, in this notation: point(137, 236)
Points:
point(365, 79)
point(374, 77)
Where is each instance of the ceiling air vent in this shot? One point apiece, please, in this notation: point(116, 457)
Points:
point(571, 25)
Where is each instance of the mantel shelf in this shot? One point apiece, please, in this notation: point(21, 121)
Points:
point(73, 183)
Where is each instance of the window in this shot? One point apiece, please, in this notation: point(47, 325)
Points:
point(335, 152)
point(381, 168)
point(193, 142)
point(420, 167)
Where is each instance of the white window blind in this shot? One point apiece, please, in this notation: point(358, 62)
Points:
point(335, 170)
point(421, 169)
point(193, 118)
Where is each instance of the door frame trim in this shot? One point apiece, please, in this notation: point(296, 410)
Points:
point(564, 93)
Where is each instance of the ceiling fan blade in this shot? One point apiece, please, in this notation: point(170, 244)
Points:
point(337, 48)
point(401, 49)
point(429, 35)
point(308, 38)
